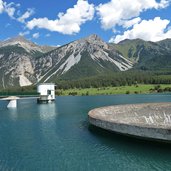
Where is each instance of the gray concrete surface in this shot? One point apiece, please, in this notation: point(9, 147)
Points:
point(150, 120)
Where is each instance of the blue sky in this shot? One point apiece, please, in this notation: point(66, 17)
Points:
point(59, 22)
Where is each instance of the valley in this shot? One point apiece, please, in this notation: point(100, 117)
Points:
point(84, 63)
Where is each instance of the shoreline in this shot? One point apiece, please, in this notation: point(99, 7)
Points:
point(120, 90)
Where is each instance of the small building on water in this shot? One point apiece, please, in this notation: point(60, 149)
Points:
point(47, 92)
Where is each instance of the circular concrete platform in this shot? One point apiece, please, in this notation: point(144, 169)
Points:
point(150, 120)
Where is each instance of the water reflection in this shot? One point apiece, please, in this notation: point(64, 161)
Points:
point(48, 117)
point(47, 111)
point(7, 112)
point(13, 114)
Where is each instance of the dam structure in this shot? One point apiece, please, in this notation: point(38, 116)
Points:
point(12, 100)
point(46, 93)
point(148, 120)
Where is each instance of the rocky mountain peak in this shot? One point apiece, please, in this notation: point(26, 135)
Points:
point(16, 40)
point(93, 37)
point(26, 44)
point(88, 43)
point(96, 41)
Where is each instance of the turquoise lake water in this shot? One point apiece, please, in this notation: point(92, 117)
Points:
point(58, 137)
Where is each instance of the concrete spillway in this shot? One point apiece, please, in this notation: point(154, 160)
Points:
point(151, 120)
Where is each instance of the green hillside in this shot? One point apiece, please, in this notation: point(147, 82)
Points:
point(147, 55)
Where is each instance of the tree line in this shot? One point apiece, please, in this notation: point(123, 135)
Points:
point(117, 79)
point(111, 79)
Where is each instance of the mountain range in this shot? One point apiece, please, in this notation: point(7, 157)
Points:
point(24, 63)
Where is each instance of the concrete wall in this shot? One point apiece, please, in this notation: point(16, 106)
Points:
point(134, 129)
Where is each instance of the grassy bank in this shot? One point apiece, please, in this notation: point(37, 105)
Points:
point(134, 89)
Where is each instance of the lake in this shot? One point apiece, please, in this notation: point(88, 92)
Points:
point(57, 136)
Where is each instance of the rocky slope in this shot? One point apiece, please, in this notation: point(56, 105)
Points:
point(85, 57)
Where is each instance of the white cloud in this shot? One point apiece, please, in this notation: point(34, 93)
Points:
point(18, 5)
point(11, 9)
point(8, 8)
point(7, 25)
point(1, 6)
point(149, 30)
point(47, 35)
point(116, 12)
point(164, 3)
point(24, 33)
point(26, 15)
point(68, 23)
point(130, 23)
point(36, 35)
